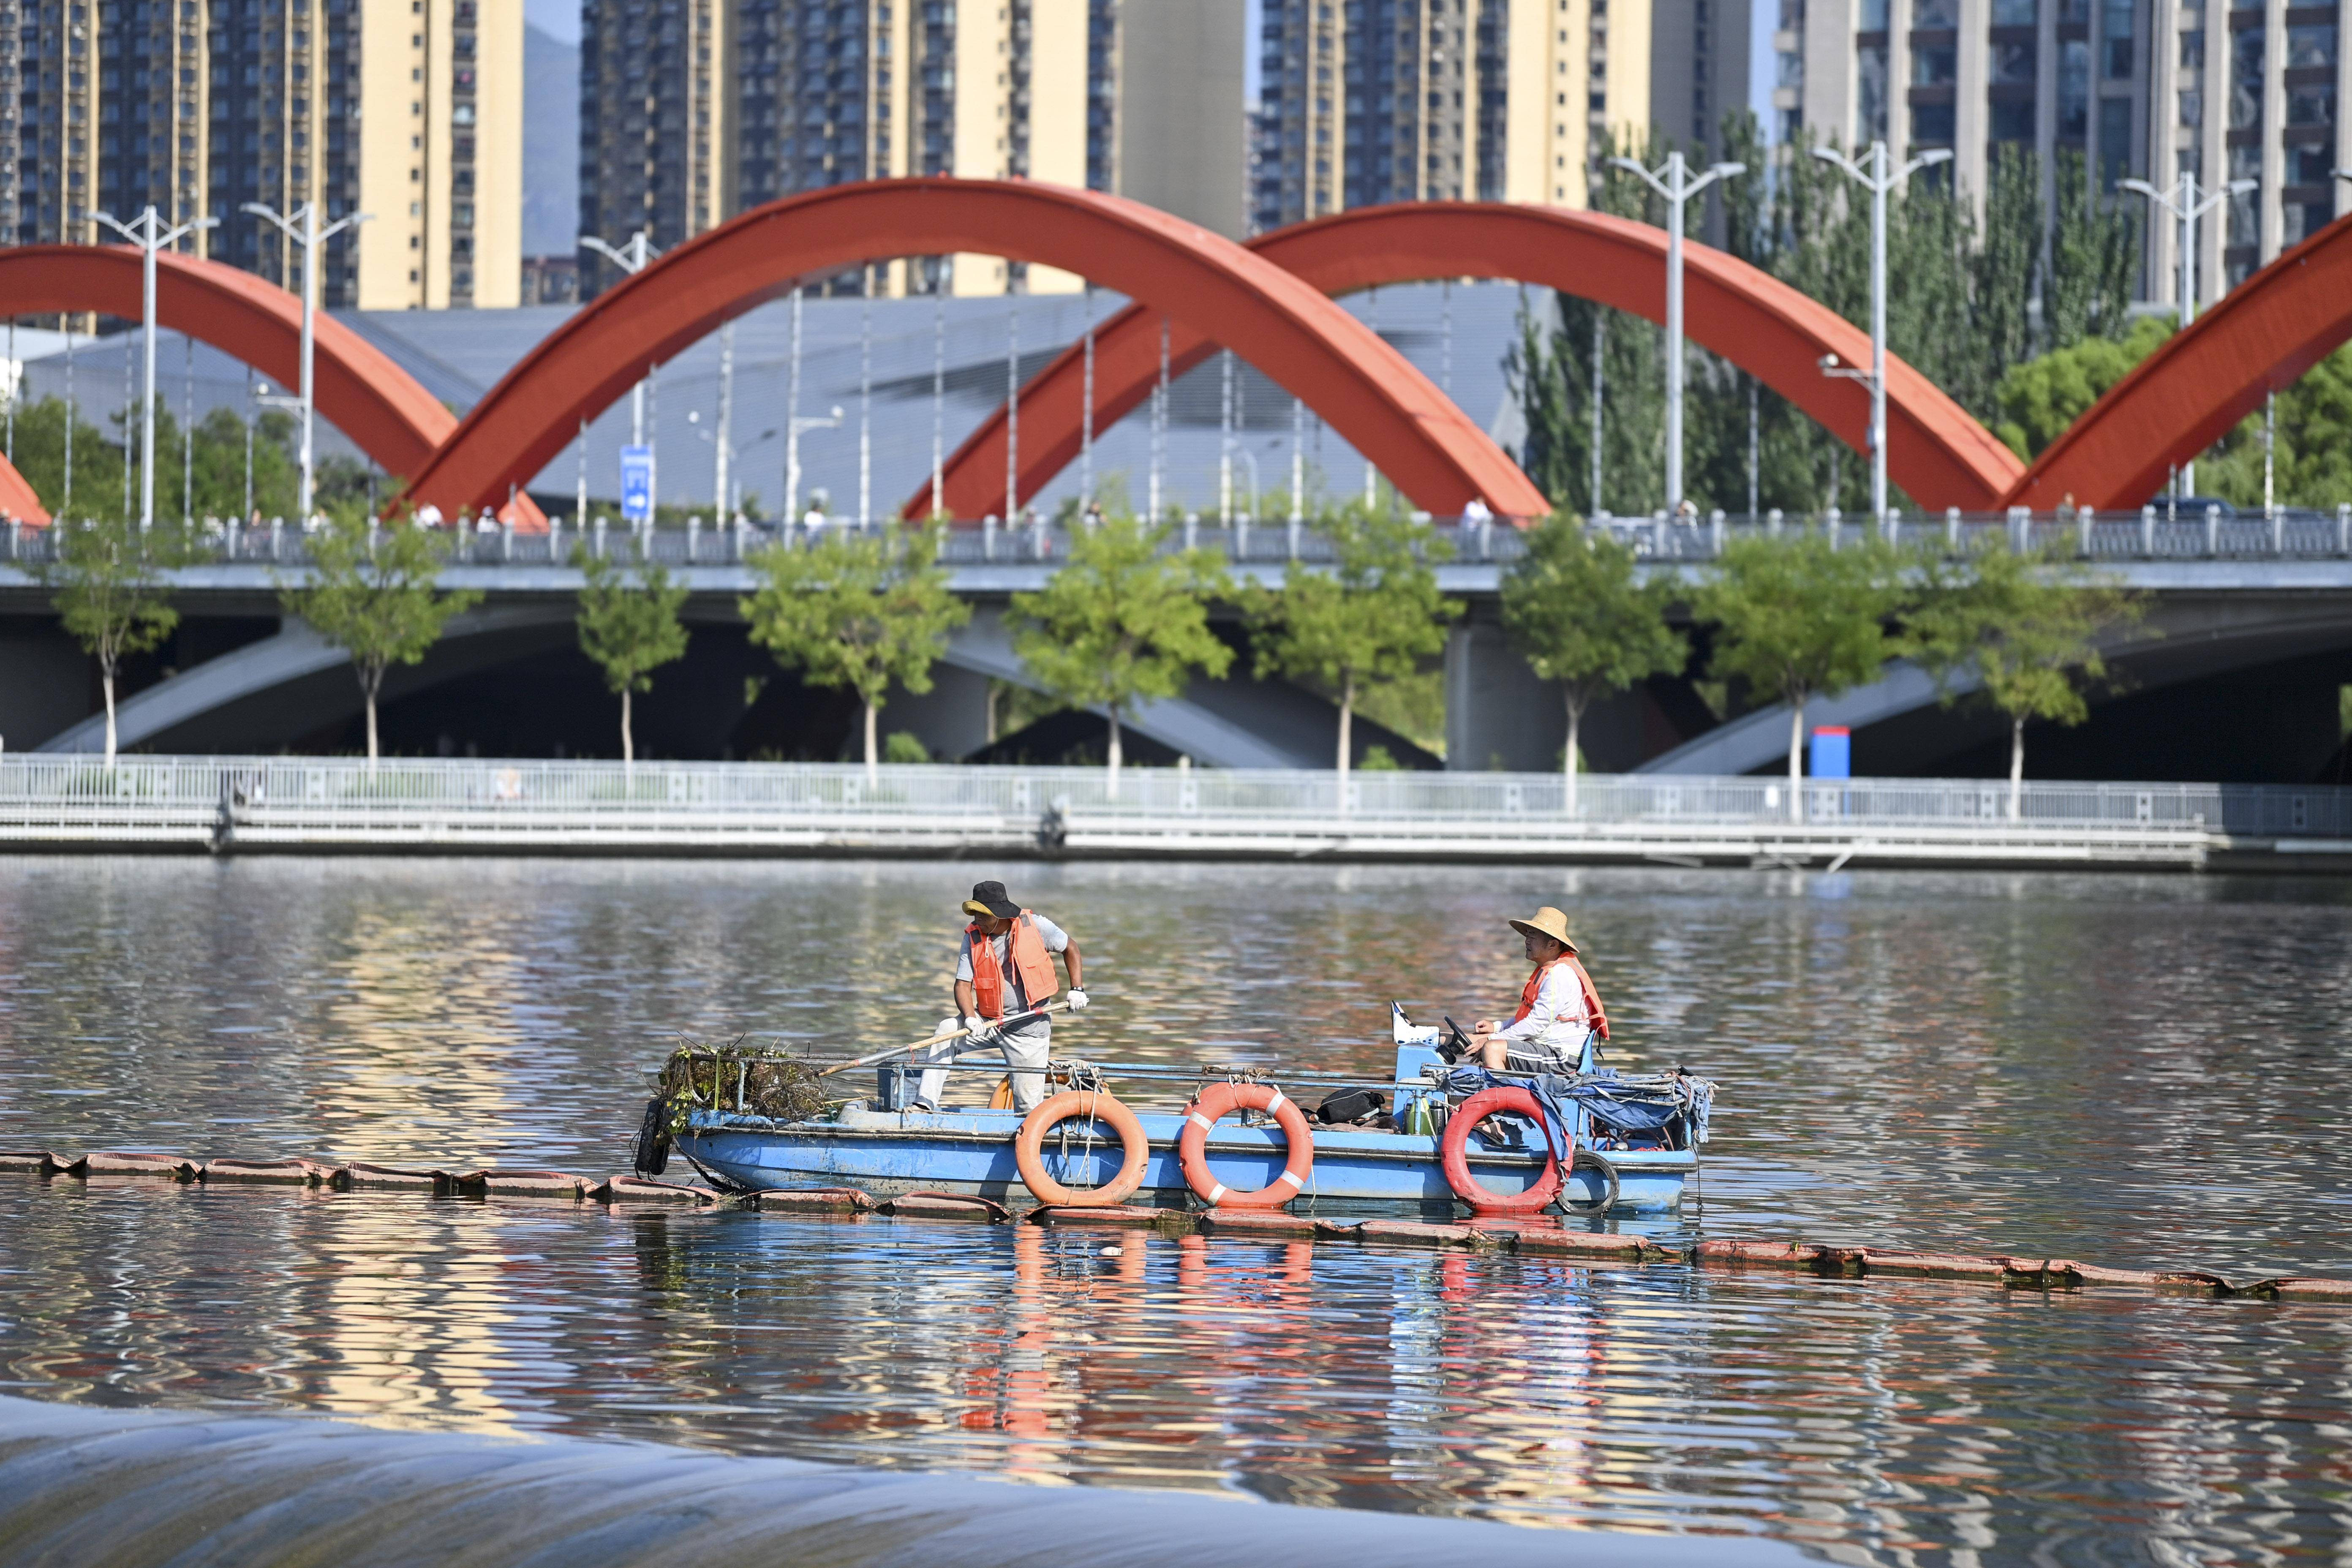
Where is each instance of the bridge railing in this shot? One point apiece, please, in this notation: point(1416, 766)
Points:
point(38, 788)
point(2156, 533)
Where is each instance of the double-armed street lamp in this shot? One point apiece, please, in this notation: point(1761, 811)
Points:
point(727, 483)
point(147, 232)
point(1878, 180)
point(301, 227)
point(2181, 201)
point(631, 258)
point(1674, 182)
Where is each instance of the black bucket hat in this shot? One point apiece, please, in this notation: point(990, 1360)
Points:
point(989, 898)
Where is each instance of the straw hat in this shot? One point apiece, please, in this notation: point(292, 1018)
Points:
point(1546, 921)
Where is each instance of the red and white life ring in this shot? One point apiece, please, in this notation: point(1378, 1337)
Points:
point(1501, 1099)
point(1222, 1100)
point(1029, 1154)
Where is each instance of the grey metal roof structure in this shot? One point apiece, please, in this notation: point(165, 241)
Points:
point(1457, 335)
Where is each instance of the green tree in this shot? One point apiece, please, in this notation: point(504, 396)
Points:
point(2026, 627)
point(2313, 444)
point(112, 591)
point(40, 457)
point(2005, 268)
point(1121, 623)
point(1366, 623)
point(210, 472)
point(629, 627)
point(372, 590)
point(2095, 259)
point(2039, 399)
point(858, 610)
point(1799, 618)
point(1572, 608)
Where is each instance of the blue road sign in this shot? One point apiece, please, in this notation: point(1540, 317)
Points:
point(636, 483)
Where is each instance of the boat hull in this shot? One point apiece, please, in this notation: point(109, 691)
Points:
point(890, 1152)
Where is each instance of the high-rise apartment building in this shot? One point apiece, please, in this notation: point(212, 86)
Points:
point(2047, 76)
point(2136, 87)
point(410, 110)
point(692, 110)
point(1709, 59)
point(1364, 102)
point(2246, 93)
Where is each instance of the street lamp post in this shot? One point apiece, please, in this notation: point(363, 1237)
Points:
point(1879, 181)
point(724, 444)
point(301, 227)
point(2182, 202)
point(630, 259)
point(1675, 182)
point(796, 426)
point(147, 232)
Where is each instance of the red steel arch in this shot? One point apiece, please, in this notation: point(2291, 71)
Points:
point(1935, 450)
point(359, 390)
point(1366, 390)
point(18, 501)
point(2186, 395)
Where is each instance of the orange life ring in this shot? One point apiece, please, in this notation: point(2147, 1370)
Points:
point(1028, 1149)
point(1455, 1146)
point(1222, 1100)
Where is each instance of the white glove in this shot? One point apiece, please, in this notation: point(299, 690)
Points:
point(979, 1026)
point(1077, 999)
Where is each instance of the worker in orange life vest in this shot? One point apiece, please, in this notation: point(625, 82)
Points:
point(1558, 1006)
point(1005, 968)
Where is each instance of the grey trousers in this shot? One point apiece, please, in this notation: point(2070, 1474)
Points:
point(1026, 1051)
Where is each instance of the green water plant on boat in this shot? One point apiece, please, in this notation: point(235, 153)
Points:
point(761, 1079)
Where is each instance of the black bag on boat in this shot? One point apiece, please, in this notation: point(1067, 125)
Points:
point(1350, 1105)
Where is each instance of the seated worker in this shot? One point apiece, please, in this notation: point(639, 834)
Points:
point(1005, 968)
point(1558, 1006)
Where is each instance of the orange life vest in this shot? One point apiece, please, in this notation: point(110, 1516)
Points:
point(1584, 983)
point(1030, 961)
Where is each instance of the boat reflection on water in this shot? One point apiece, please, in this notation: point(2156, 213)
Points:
point(1847, 1415)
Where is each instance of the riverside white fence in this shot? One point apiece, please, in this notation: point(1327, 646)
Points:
point(454, 805)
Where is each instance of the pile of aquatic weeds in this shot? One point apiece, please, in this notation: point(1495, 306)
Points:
point(758, 1078)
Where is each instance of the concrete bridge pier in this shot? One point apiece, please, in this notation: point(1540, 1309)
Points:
point(1500, 716)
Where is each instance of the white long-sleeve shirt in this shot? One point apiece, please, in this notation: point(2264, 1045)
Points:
point(1560, 1018)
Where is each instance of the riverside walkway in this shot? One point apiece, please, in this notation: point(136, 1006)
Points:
point(458, 806)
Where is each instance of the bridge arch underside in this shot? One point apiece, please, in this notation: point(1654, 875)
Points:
point(1936, 452)
point(1366, 390)
point(360, 391)
point(508, 679)
point(2243, 686)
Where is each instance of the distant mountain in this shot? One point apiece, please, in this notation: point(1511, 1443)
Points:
point(551, 142)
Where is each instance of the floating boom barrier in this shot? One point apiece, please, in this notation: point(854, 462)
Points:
point(1535, 1238)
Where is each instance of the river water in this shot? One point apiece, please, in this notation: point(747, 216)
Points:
point(2138, 1071)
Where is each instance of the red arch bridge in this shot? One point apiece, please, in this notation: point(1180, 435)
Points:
point(1273, 301)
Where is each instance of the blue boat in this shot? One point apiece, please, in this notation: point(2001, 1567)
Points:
point(1395, 1163)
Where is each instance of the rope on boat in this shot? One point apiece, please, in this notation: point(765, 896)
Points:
point(1540, 1238)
